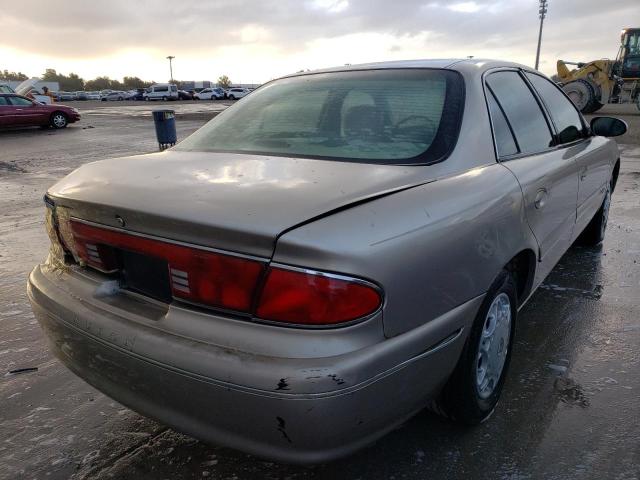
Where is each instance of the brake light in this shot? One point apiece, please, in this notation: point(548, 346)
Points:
point(313, 298)
point(196, 275)
point(211, 278)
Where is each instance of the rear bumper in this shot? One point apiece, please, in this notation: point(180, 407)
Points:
point(291, 427)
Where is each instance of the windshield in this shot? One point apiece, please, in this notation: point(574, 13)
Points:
point(380, 116)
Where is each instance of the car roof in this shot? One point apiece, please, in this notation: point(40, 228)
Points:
point(479, 64)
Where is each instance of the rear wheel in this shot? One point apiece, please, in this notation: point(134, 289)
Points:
point(164, 99)
point(583, 94)
point(594, 233)
point(474, 388)
point(231, 97)
point(58, 120)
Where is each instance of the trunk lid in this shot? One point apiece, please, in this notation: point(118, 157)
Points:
point(233, 202)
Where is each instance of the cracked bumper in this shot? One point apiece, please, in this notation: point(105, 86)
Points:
point(278, 424)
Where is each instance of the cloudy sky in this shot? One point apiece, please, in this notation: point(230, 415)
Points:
point(256, 40)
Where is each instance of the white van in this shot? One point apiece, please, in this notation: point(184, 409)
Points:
point(161, 91)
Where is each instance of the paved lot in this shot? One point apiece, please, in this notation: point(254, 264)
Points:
point(571, 408)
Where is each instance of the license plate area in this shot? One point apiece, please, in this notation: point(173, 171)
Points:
point(145, 275)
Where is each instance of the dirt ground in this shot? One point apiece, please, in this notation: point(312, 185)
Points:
point(570, 409)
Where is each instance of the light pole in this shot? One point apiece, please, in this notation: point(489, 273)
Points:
point(171, 57)
point(543, 13)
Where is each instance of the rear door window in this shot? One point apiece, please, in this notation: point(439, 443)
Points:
point(3, 102)
point(19, 101)
point(505, 143)
point(522, 111)
point(566, 118)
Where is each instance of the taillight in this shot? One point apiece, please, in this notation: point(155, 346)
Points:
point(196, 275)
point(312, 298)
point(237, 283)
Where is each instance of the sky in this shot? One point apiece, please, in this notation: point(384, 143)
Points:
point(253, 41)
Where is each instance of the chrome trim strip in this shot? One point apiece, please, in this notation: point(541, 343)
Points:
point(181, 288)
point(337, 276)
point(180, 281)
point(179, 273)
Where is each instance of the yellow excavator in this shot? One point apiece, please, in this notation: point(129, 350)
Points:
point(594, 84)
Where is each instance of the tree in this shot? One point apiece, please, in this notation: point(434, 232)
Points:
point(130, 83)
point(101, 83)
point(72, 82)
point(224, 81)
point(8, 76)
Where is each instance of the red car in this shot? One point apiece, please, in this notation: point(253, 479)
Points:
point(18, 111)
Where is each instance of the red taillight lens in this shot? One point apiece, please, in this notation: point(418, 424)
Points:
point(312, 298)
point(215, 279)
point(197, 275)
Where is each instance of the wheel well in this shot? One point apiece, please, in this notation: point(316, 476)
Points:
point(614, 176)
point(523, 267)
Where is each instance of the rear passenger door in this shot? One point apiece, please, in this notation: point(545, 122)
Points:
point(526, 145)
point(24, 111)
point(6, 112)
point(593, 160)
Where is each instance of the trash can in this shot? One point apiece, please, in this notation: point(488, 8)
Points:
point(165, 122)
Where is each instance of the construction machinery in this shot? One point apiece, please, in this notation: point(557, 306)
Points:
point(594, 84)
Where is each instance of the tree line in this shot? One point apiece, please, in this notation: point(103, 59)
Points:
point(74, 82)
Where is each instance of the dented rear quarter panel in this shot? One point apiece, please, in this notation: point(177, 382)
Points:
point(430, 248)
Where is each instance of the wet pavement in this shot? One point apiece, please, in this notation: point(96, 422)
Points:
point(570, 409)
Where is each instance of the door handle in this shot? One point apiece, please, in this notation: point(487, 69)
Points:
point(539, 202)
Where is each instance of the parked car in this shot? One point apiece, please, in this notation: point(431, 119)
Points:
point(136, 94)
point(161, 91)
point(81, 96)
point(184, 95)
point(209, 94)
point(18, 111)
point(328, 256)
point(65, 96)
point(94, 96)
point(113, 96)
point(237, 93)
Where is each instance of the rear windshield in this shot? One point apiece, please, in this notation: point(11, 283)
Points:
point(377, 116)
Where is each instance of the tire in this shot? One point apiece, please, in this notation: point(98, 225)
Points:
point(164, 99)
point(231, 97)
point(120, 99)
point(146, 99)
point(594, 232)
point(469, 396)
point(583, 94)
point(58, 120)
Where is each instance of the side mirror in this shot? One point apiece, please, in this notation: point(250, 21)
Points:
point(608, 126)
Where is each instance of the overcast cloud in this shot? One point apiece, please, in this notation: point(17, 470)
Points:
point(255, 40)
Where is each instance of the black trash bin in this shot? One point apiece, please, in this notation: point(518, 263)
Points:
point(165, 122)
